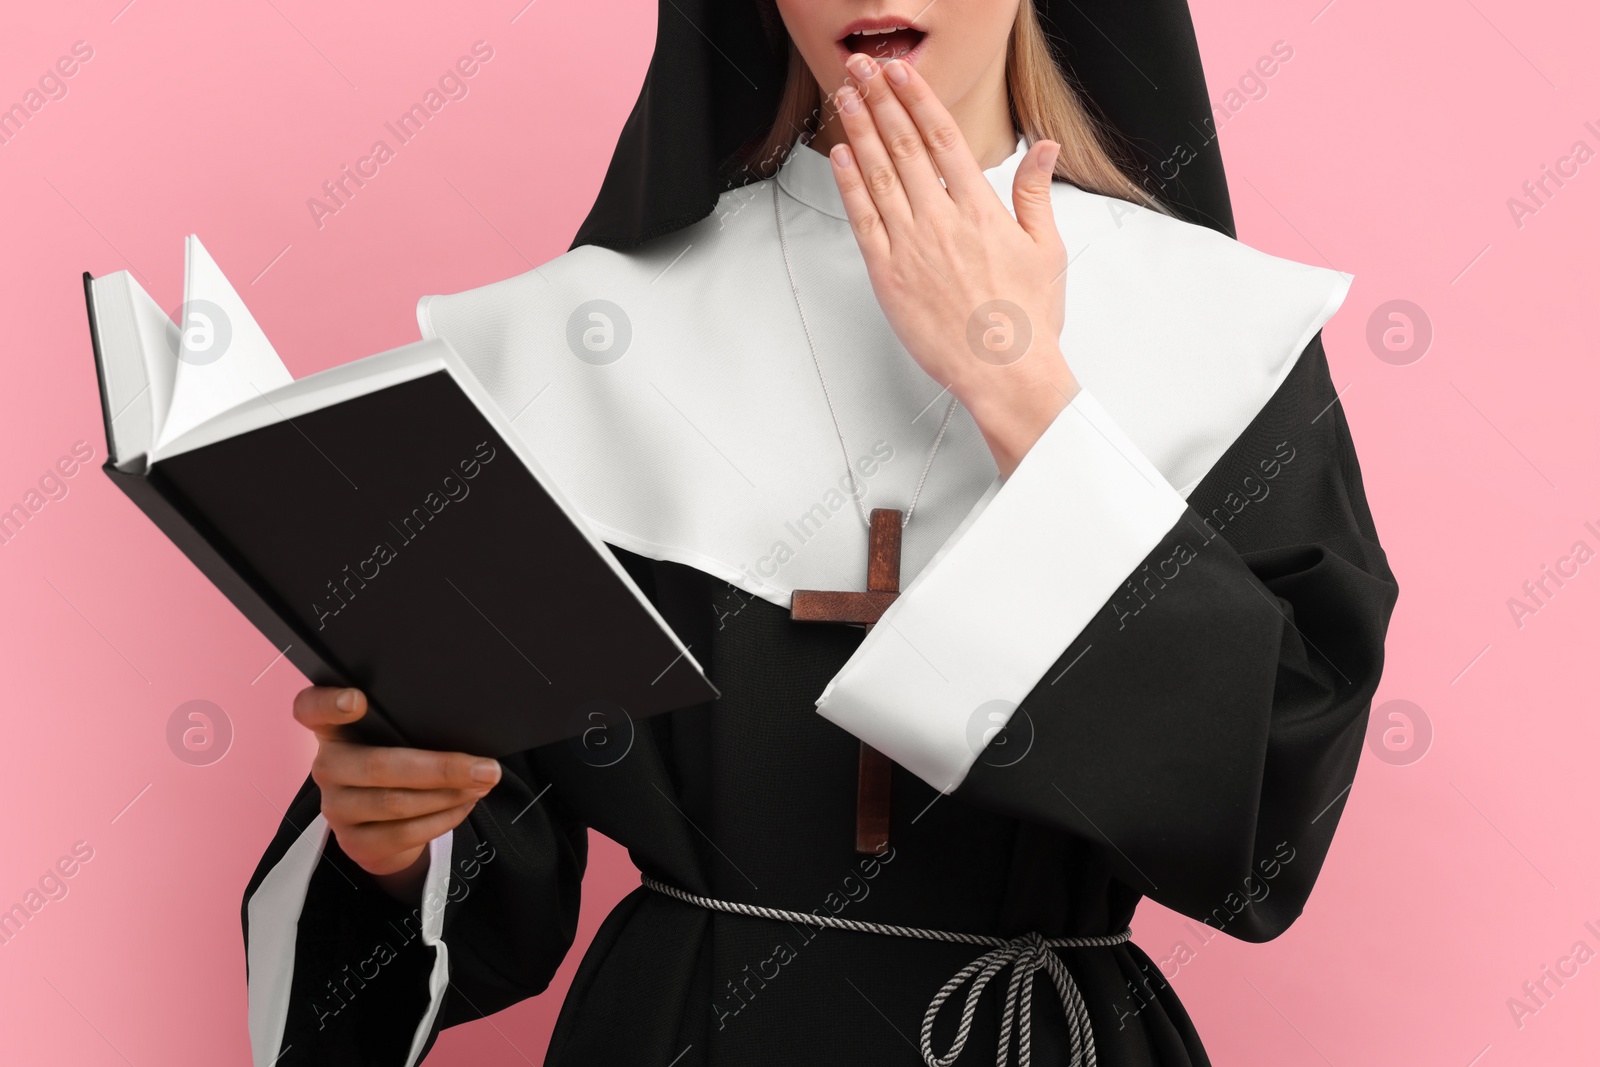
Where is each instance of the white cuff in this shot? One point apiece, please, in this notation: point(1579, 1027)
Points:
point(435, 890)
point(274, 911)
point(977, 629)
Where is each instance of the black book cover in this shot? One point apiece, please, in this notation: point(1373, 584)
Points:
point(396, 543)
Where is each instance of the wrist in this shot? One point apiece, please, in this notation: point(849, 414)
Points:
point(405, 885)
point(1014, 404)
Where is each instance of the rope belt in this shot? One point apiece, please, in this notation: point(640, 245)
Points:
point(1026, 956)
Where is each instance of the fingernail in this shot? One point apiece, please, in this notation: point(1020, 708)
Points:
point(849, 101)
point(896, 71)
point(842, 157)
point(486, 771)
point(346, 701)
point(861, 66)
point(1047, 158)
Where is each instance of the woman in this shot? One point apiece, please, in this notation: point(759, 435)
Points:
point(1136, 663)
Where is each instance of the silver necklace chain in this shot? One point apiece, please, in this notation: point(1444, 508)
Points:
point(856, 493)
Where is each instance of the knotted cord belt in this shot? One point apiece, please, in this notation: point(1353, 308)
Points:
point(1026, 956)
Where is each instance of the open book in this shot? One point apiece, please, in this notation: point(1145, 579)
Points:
point(383, 525)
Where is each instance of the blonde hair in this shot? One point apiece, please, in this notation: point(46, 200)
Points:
point(1044, 106)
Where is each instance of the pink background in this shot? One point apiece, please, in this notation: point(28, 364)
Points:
point(1388, 146)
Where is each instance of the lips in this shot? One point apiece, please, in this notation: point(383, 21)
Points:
point(882, 39)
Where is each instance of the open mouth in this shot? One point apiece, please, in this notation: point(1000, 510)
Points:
point(883, 39)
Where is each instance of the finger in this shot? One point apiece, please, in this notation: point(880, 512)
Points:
point(389, 838)
point(941, 136)
point(872, 158)
point(347, 806)
point(1030, 193)
point(343, 764)
point(899, 134)
point(324, 709)
point(865, 221)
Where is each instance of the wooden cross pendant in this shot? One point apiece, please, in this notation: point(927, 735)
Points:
point(864, 609)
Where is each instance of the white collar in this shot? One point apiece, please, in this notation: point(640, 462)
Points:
point(807, 175)
point(708, 442)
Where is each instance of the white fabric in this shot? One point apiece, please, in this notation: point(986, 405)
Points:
point(434, 896)
point(709, 440)
point(955, 655)
point(274, 910)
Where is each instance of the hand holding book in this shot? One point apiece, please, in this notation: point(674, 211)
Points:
point(385, 804)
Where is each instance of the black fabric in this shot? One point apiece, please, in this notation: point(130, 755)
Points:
point(1193, 745)
point(716, 75)
point(1234, 672)
point(1139, 65)
point(360, 983)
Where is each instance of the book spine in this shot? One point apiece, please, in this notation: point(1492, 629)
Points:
point(165, 507)
point(99, 363)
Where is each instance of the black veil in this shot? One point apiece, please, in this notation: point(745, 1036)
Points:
point(717, 72)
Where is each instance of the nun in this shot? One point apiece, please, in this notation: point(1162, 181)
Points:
point(909, 363)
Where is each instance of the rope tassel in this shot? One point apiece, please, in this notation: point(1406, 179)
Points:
point(1026, 956)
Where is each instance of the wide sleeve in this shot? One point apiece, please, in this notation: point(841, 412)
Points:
point(340, 972)
point(1184, 683)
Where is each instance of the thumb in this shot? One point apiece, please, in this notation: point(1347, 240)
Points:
point(1030, 192)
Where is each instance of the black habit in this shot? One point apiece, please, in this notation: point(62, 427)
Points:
point(1194, 744)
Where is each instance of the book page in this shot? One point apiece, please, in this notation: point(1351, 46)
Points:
point(223, 357)
point(137, 363)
